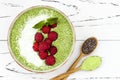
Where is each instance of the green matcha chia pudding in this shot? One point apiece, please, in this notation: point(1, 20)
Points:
point(21, 37)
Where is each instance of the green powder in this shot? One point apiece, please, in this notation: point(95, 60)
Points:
point(91, 63)
point(64, 43)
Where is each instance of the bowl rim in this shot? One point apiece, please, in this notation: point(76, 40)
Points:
point(11, 26)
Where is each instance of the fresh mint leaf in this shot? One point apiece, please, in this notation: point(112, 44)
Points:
point(40, 24)
point(50, 21)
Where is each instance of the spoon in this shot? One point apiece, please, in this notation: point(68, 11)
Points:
point(89, 64)
point(88, 46)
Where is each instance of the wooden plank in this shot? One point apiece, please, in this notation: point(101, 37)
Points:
point(103, 32)
point(92, 24)
point(108, 50)
point(111, 32)
point(3, 47)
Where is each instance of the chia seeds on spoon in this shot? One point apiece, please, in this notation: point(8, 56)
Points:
point(89, 45)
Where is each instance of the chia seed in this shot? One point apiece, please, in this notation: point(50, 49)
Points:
point(89, 45)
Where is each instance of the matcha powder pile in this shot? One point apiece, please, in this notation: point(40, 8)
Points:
point(91, 63)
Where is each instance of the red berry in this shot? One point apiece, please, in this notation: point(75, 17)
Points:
point(43, 46)
point(48, 41)
point(45, 29)
point(50, 60)
point(39, 37)
point(53, 50)
point(53, 25)
point(52, 35)
point(36, 46)
point(43, 55)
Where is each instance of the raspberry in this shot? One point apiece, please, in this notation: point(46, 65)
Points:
point(48, 41)
point(43, 46)
point(45, 29)
point(52, 35)
point(43, 55)
point(53, 25)
point(50, 60)
point(53, 50)
point(36, 46)
point(39, 37)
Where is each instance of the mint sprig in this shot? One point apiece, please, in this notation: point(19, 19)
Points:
point(39, 25)
point(49, 21)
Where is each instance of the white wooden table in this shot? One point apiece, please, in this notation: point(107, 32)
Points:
point(99, 18)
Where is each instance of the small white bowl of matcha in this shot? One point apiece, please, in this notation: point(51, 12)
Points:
point(21, 37)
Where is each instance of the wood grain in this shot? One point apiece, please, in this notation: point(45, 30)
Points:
point(99, 18)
